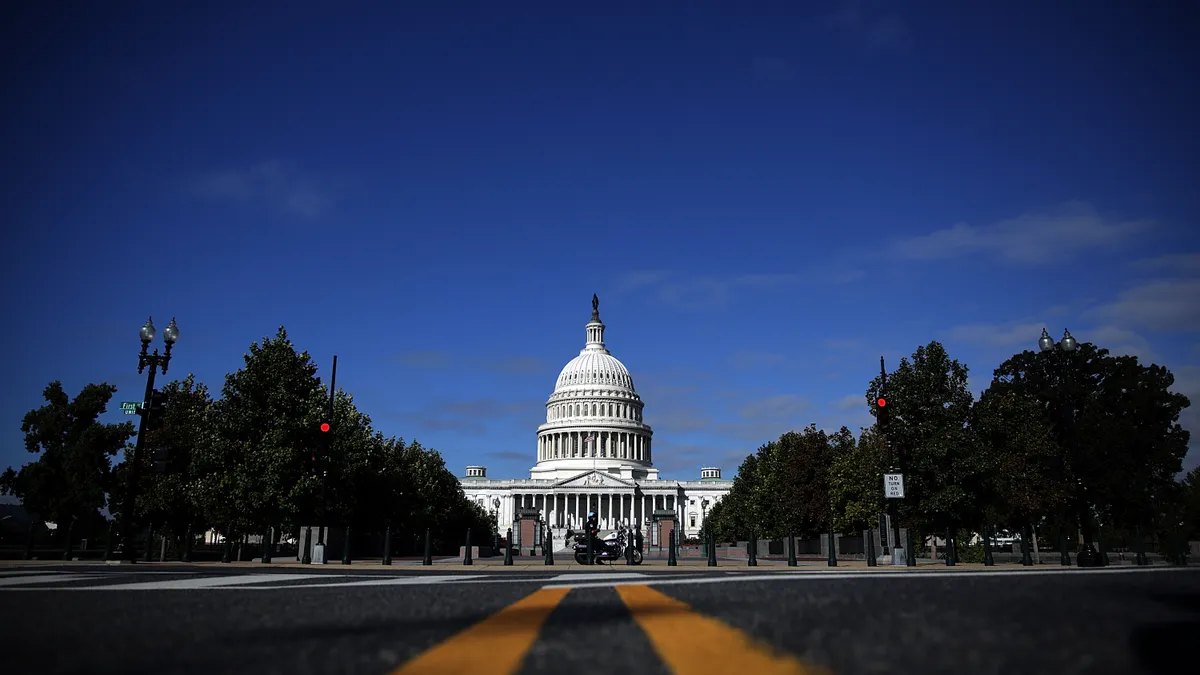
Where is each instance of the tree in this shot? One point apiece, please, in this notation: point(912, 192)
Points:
point(263, 468)
point(856, 480)
point(797, 481)
point(1023, 478)
point(72, 477)
point(929, 406)
point(1116, 424)
point(170, 500)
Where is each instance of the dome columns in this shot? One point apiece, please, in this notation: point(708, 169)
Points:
point(634, 446)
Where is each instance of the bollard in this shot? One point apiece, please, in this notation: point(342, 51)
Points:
point(871, 562)
point(508, 548)
point(1026, 559)
point(346, 546)
point(467, 550)
point(591, 560)
point(387, 545)
point(150, 544)
point(950, 561)
point(752, 551)
point(548, 546)
point(988, 560)
point(428, 560)
point(832, 562)
point(67, 546)
point(671, 562)
point(108, 541)
point(29, 541)
point(268, 539)
point(712, 549)
point(306, 558)
point(791, 548)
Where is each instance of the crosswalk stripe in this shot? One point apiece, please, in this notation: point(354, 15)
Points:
point(203, 582)
point(584, 576)
point(21, 573)
point(691, 643)
point(387, 581)
point(43, 579)
point(498, 644)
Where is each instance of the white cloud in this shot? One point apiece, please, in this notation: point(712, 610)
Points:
point(1010, 335)
point(1121, 342)
point(851, 402)
point(1166, 306)
point(778, 407)
point(1181, 264)
point(278, 184)
point(1028, 239)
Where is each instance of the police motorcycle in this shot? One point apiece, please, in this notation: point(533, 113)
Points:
point(609, 549)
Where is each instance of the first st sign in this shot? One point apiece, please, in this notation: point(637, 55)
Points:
point(130, 407)
point(893, 485)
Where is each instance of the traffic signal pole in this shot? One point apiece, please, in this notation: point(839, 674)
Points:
point(328, 451)
point(882, 412)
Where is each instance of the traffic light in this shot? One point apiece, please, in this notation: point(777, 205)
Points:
point(160, 458)
point(154, 414)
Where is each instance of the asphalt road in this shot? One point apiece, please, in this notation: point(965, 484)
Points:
point(176, 619)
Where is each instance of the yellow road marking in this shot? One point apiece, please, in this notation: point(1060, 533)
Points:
point(693, 644)
point(496, 645)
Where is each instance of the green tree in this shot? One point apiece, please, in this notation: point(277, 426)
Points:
point(797, 482)
point(856, 480)
point(1116, 423)
point(1024, 479)
point(169, 500)
point(929, 407)
point(263, 468)
point(71, 478)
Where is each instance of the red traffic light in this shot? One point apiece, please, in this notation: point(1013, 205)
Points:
point(324, 427)
point(881, 402)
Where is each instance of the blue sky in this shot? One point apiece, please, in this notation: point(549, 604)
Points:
point(765, 199)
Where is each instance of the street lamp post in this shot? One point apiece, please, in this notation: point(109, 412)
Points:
point(152, 361)
point(1087, 556)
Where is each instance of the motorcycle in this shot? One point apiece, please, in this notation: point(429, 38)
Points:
point(609, 549)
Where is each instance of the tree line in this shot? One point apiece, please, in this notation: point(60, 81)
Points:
point(250, 460)
point(1060, 443)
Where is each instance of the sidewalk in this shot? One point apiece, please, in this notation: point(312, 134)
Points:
point(537, 564)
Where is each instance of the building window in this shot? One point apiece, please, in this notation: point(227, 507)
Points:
point(693, 522)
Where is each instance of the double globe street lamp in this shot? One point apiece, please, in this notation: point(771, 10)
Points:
point(1087, 556)
point(153, 361)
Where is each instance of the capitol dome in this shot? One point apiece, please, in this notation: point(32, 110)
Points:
point(594, 417)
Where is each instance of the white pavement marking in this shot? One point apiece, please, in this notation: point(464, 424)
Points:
point(811, 575)
point(21, 573)
point(387, 581)
point(208, 582)
point(581, 576)
point(43, 579)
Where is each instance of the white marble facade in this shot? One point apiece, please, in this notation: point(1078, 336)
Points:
point(595, 452)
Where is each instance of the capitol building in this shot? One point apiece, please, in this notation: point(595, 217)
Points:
point(595, 452)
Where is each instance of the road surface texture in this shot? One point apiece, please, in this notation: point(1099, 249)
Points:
point(262, 620)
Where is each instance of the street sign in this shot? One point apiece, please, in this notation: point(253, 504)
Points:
point(893, 485)
point(130, 407)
